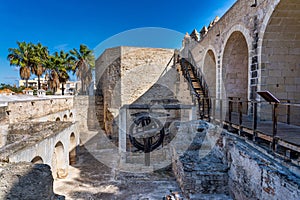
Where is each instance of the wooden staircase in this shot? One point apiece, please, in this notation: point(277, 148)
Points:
point(198, 88)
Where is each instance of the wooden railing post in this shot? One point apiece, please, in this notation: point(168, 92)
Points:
point(240, 109)
point(221, 112)
point(208, 109)
point(203, 108)
point(230, 107)
point(254, 123)
point(288, 112)
point(274, 119)
point(213, 109)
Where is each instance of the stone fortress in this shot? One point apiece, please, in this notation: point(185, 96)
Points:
point(254, 47)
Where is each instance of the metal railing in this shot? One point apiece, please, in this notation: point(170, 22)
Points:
point(203, 100)
point(166, 68)
point(260, 121)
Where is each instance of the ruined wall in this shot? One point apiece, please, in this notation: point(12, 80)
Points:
point(253, 175)
point(234, 167)
point(26, 181)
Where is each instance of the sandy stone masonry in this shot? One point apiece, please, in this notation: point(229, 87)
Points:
point(24, 108)
point(253, 47)
point(124, 74)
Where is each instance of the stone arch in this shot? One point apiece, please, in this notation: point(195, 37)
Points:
point(209, 71)
point(235, 65)
point(58, 161)
point(72, 149)
point(37, 160)
point(57, 119)
point(280, 54)
point(71, 115)
point(245, 38)
point(65, 118)
point(264, 24)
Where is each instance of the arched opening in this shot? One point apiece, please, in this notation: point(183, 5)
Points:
point(58, 162)
point(280, 58)
point(57, 119)
point(235, 68)
point(72, 149)
point(37, 160)
point(209, 71)
point(71, 115)
point(65, 117)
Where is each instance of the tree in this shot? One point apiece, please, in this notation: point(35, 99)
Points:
point(51, 64)
point(22, 58)
point(66, 62)
point(83, 65)
point(39, 58)
point(59, 65)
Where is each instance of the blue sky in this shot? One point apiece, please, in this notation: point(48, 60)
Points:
point(65, 24)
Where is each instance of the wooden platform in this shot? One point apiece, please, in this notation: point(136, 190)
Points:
point(287, 136)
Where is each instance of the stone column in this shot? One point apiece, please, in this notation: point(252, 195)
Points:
point(122, 132)
point(3, 134)
point(192, 113)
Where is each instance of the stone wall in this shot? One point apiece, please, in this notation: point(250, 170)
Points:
point(35, 108)
point(253, 47)
point(26, 181)
point(88, 112)
point(124, 74)
point(253, 175)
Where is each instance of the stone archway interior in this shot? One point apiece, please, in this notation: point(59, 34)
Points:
point(209, 71)
point(280, 58)
point(72, 150)
point(235, 70)
point(58, 162)
point(235, 66)
point(37, 160)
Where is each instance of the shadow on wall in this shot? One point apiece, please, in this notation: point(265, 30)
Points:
point(26, 181)
point(161, 92)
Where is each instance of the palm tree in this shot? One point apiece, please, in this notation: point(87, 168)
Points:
point(40, 54)
point(22, 58)
point(59, 65)
point(51, 64)
point(66, 62)
point(84, 63)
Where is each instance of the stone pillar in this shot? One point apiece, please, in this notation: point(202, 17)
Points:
point(192, 113)
point(3, 134)
point(122, 132)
